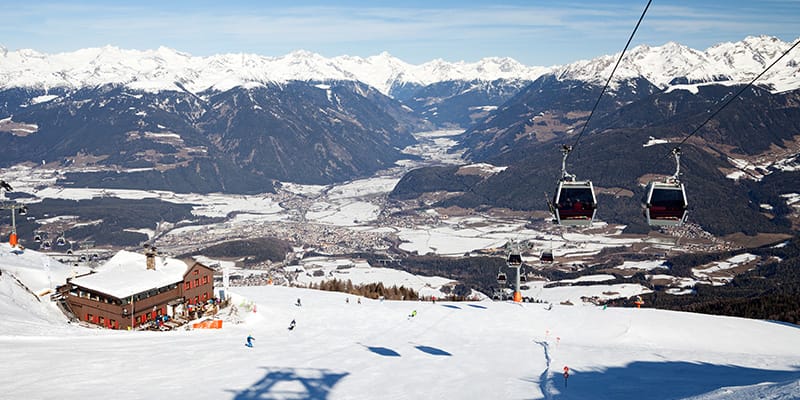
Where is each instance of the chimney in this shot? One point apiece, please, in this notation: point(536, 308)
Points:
point(150, 254)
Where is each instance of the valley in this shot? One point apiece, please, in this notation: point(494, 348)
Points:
point(357, 218)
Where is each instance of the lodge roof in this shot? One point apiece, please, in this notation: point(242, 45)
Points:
point(126, 274)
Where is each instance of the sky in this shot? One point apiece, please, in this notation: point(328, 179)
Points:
point(541, 33)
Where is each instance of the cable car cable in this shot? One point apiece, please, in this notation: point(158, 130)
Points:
point(734, 97)
point(729, 101)
point(608, 81)
point(575, 202)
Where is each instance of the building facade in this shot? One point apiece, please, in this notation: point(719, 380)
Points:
point(132, 290)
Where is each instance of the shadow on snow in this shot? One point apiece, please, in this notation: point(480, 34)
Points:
point(477, 306)
point(451, 306)
point(383, 351)
point(292, 383)
point(432, 351)
point(661, 380)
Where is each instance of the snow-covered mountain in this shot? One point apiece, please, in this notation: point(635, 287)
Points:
point(674, 63)
point(168, 69)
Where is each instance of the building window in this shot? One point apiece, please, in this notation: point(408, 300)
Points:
point(196, 282)
point(196, 272)
point(102, 320)
point(187, 285)
point(205, 296)
point(89, 317)
point(196, 299)
point(205, 279)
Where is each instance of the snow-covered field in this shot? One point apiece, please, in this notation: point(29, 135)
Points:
point(346, 350)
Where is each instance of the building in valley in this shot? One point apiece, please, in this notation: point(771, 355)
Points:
point(131, 290)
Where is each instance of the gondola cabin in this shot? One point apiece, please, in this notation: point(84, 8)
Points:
point(514, 259)
point(575, 203)
point(665, 204)
point(547, 257)
point(501, 279)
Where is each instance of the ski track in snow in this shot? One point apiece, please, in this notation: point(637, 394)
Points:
point(544, 378)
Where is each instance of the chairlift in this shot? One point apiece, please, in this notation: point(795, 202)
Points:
point(46, 245)
point(37, 237)
point(574, 203)
point(665, 204)
point(82, 258)
point(61, 241)
point(69, 251)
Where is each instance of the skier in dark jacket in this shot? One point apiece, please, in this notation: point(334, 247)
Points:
point(250, 340)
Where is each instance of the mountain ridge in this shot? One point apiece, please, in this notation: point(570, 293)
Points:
point(166, 69)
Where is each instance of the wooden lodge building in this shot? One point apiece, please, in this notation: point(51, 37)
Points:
point(131, 290)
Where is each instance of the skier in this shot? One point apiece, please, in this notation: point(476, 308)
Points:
point(298, 302)
point(292, 324)
point(413, 314)
point(250, 340)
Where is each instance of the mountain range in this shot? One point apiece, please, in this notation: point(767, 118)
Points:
point(166, 69)
point(162, 119)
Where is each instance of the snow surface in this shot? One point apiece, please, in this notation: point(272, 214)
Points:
point(341, 350)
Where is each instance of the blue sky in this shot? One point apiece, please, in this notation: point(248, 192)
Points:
point(533, 32)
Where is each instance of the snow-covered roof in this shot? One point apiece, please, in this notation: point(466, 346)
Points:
point(126, 274)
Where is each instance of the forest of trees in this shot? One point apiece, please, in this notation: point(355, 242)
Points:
point(771, 291)
point(253, 250)
point(370, 290)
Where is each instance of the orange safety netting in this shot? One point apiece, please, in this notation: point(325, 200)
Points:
point(210, 324)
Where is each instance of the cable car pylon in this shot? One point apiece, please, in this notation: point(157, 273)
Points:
point(514, 260)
